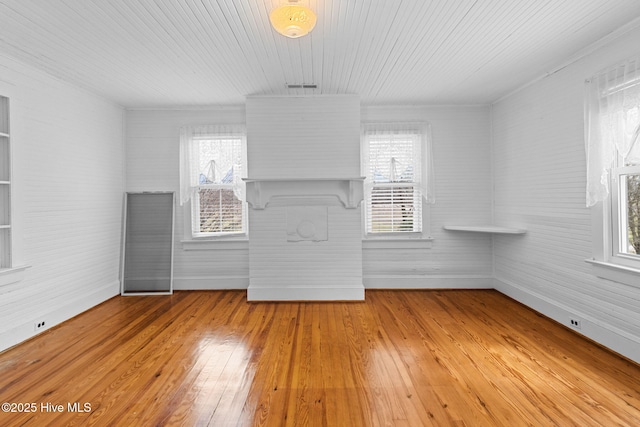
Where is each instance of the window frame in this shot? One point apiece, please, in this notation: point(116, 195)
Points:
point(608, 225)
point(394, 129)
point(618, 216)
point(195, 213)
point(192, 208)
point(605, 263)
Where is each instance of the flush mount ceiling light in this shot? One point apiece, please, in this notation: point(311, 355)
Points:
point(293, 20)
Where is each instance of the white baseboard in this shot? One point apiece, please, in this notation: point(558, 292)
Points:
point(305, 289)
point(370, 282)
point(606, 335)
point(305, 294)
point(427, 282)
point(210, 283)
point(26, 330)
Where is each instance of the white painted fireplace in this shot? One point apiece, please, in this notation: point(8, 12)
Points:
point(305, 214)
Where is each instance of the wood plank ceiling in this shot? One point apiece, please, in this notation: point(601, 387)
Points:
point(165, 53)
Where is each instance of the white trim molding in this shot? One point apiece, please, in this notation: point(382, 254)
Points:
point(349, 192)
point(306, 290)
point(228, 244)
point(25, 331)
point(609, 336)
point(615, 272)
point(12, 275)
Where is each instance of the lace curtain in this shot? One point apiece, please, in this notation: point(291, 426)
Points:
point(612, 124)
point(190, 173)
point(422, 166)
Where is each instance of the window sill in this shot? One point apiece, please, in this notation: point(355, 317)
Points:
point(12, 275)
point(396, 242)
point(224, 244)
point(617, 273)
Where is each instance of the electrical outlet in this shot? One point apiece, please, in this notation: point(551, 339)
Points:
point(575, 323)
point(38, 326)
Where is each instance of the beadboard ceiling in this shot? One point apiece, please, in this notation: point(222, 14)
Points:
point(167, 53)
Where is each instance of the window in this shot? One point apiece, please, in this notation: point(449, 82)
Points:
point(213, 159)
point(396, 179)
point(612, 134)
point(625, 204)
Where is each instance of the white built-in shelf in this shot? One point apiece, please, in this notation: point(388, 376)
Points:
point(492, 229)
point(5, 190)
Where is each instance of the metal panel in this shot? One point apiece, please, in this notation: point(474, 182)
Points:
point(148, 244)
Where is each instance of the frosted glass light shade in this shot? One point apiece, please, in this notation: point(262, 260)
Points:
point(293, 21)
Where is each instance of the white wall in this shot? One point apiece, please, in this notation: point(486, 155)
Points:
point(67, 200)
point(298, 138)
point(462, 159)
point(303, 137)
point(539, 177)
point(152, 153)
point(461, 145)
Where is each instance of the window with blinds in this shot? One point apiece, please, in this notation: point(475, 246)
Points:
point(394, 197)
point(216, 208)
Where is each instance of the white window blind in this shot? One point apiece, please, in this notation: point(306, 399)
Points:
point(394, 165)
point(213, 159)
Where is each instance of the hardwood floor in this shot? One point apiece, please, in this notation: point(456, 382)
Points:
point(404, 358)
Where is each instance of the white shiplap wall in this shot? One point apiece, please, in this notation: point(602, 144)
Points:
point(462, 161)
point(539, 175)
point(67, 200)
point(305, 270)
point(152, 152)
point(303, 137)
point(461, 146)
point(300, 138)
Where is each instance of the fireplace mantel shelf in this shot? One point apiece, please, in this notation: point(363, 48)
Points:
point(263, 192)
point(247, 180)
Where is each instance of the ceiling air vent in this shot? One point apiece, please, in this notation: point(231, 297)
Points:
point(302, 86)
